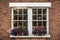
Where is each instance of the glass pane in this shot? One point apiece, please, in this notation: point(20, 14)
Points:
point(39, 11)
point(34, 11)
point(15, 11)
point(25, 17)
point(34, 17)
point(15, 17)
point(44, 17)
point(44, 23)
point(25, 23)
point(39, 23)
point(25, 11)
point(39, 17)
point(20, 23)
point(15, 23)
point(20, 11)
point(19, 17)
point(34, 23)
point(44, 11)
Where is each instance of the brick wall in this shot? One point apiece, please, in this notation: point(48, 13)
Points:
point(5, 19)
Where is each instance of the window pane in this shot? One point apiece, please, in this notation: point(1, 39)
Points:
point(44, 23)
point(15, 23)
point(25, 11)
point(25, 17)
point(44, 11)
point(15, 17)
point(39, 17)
point(20, 23)
point(39, 23)
point(34, 23)
point(20, 11)
point(39, 11)
point(19, 17)
point(25, 23)
point(44, 17)
point(34, 11)
point(15, 11)
point(34, 17)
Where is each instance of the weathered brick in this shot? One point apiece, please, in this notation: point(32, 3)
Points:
point(54, 19)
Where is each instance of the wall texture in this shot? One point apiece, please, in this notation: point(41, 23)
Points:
point(5, 20)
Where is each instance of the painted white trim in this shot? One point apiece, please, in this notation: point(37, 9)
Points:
point(47, 21)
point(12, 20)
point(30, 21)
point(31, 4)
point(30, 24)
point(45, 36)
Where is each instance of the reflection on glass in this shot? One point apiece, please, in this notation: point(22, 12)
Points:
point(39, 11)
point(34, 11)
point(15, 23)
point(34, 23)
point(25, 23)
point(25, 11)
point(39, 23)
point(15, 17)
point(44, 23)
point(20, 11)
point(34, 17)
point(44, 11)
point(19, 17)
point(20, 23)
point(15, 11)
point(39, 17)
point(44, 17)
point(25, 17)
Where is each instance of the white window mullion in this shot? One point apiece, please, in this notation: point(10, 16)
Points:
point(12, 19)
point(47, 21)
point(30, 21)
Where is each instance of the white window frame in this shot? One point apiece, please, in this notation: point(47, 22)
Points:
point(45, 4)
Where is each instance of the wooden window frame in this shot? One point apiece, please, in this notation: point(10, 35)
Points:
point(32, 5)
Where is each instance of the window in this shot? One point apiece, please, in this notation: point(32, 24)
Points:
point(39, 21)
point(30, 22)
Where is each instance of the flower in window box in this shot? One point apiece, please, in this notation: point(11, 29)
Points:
point(40, 33)
point(14, 31)
point(43, 31)
point(23, 31)
point(40, 29)
point(18, 31)
point(35, 31)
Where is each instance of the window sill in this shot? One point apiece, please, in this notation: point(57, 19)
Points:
point(45, 36)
